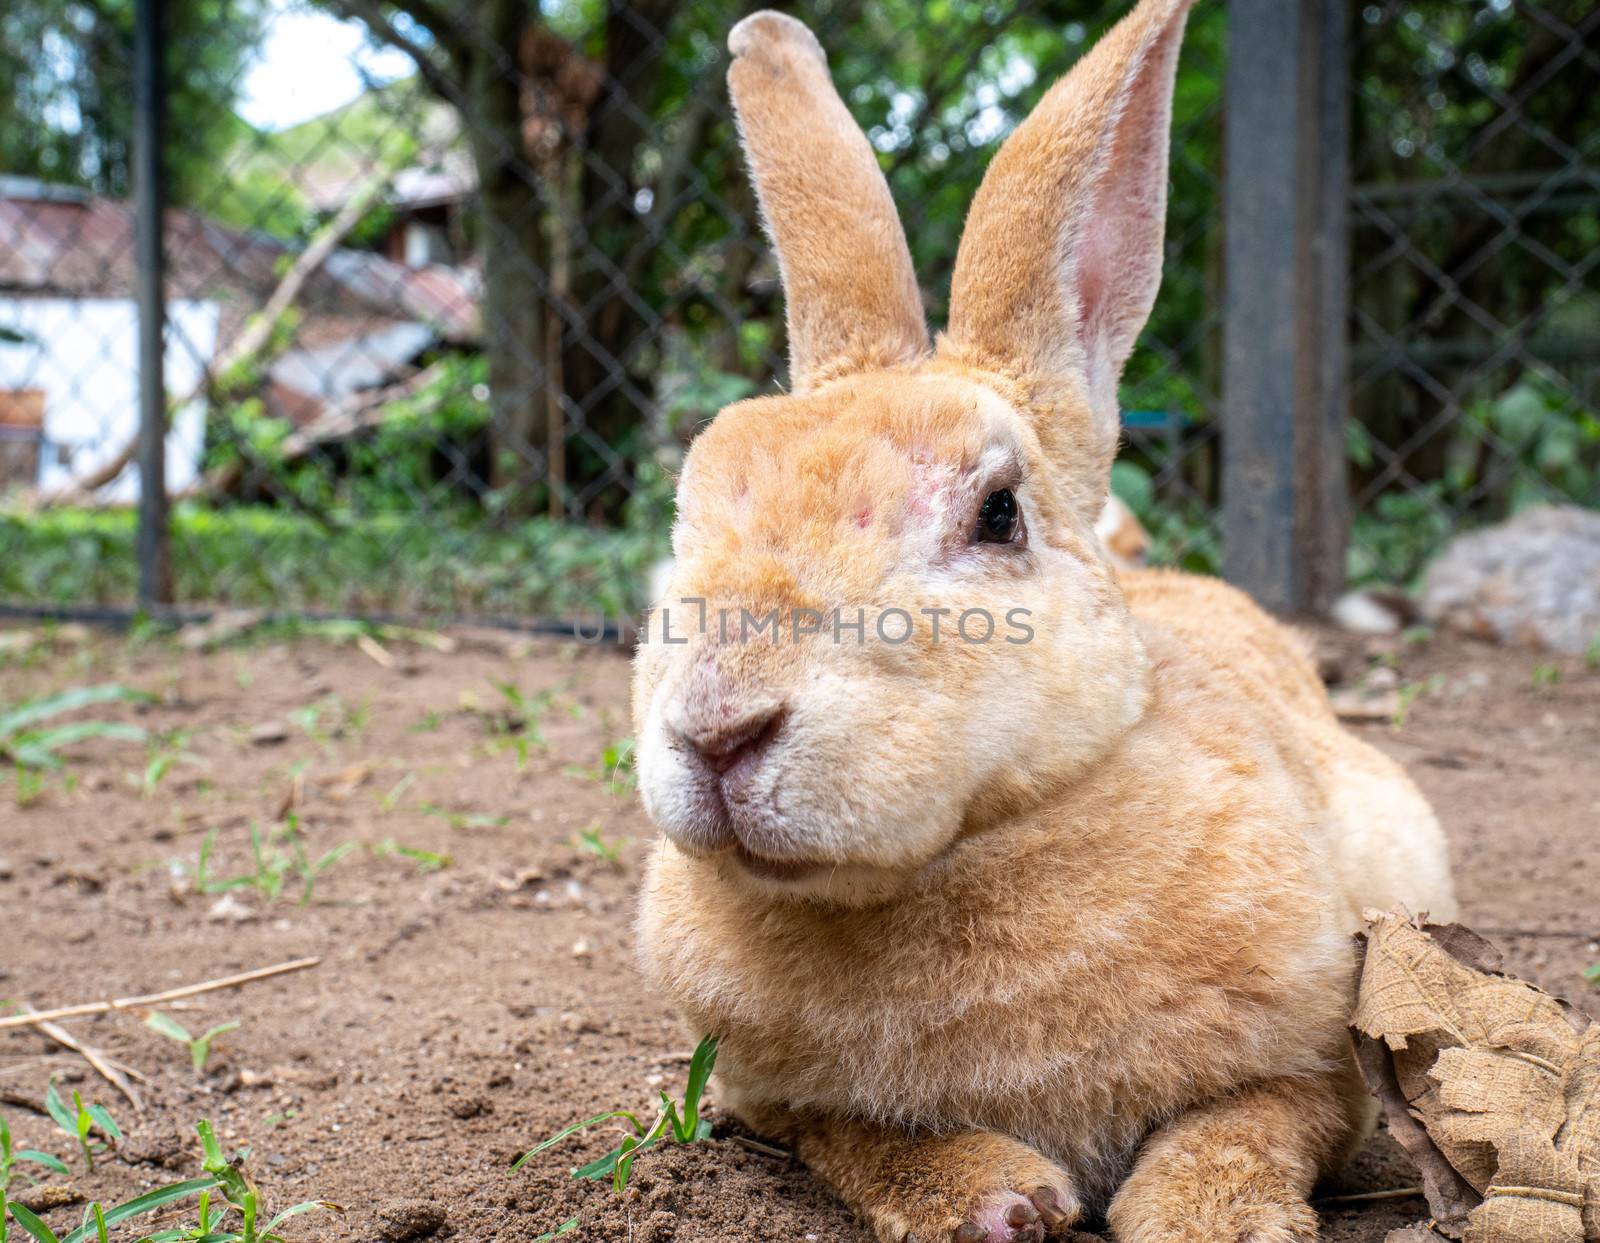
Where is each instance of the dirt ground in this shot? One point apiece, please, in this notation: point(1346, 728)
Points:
point(462, 1013)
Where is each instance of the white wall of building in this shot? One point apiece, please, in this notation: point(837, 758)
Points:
point(82, 353)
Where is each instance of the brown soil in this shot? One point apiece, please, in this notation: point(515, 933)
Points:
point(460, 1015)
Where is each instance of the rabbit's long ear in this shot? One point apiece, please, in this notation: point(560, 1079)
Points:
point(1061, 257)
point(853, 302)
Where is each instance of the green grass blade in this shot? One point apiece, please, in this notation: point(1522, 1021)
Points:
point(333, 856)
point(78, 731)
point(168, 1026)
point(185, 1236)
point(147, 1203)
point(38, 749)
point(103, 1119)
point(28, 756)
point(54, 1164)
point(68, 701)
point(213, 1158)
point(573, 1129)
point(700, 1065)
point(25, 1218)
point(305, 1206)
point(619, 1176)
point(606, 1166)
point(600, 1167)
point(570, 1224)
point(57, 1110)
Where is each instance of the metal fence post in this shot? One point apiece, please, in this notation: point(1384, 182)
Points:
point(1285, 378)
point(155, 565)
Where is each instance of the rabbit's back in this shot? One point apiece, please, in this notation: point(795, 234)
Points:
point(1381, 836)
point(1230, 632)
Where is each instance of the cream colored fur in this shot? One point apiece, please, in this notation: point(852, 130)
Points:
point(994, 933)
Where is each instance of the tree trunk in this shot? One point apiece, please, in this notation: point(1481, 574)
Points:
point(515, 261)
point(598, 355)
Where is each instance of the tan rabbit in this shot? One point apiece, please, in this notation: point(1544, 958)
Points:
point(996, 930)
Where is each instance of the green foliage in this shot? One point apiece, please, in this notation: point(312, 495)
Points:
point(590, 841)
point(426, 860)
point(28, 741)
point(615, 770)
point(413, 457)
point(1182, 532)
point(277, 857)
point(1408, 695)
point(241, 1198)
point(1552, 444)
point(81, 1123)
point(66, 73)
point(1526, 445)
point(382, 127)
point(463, 819)
point(516, 725)
point(260, 557)
point(1393, 537)
point(199, 1046)
point(166, 751)
point(330, 718)
point(11, 1157)
point(673, 1123)
point(1545, 678)
point(29, 785)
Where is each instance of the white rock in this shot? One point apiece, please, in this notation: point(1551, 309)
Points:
point(1534, 580)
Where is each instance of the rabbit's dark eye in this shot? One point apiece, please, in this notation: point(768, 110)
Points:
point(998, 519)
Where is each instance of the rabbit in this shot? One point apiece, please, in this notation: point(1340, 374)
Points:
point(1044, 916)
point(1122, 536)
point(1123, 540)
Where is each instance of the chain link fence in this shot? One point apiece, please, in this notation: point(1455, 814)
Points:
point(450, 286)
point(1475, 303)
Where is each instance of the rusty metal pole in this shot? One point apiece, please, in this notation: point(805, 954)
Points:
point(1286, 370)
point(149, 178)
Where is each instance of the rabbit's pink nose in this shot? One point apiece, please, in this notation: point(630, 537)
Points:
point(722, 744)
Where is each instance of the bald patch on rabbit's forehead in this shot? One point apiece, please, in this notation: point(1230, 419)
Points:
point(882, 432)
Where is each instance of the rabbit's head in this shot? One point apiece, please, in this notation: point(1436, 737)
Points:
point(889, 625)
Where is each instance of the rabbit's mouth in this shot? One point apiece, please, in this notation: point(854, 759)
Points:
point(764, 868)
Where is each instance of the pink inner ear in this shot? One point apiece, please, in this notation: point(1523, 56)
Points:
point(1117, 260)
point(864, 517)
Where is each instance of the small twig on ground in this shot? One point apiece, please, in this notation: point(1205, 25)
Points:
point(103, 1066)
point(35, 1018)
point(374, 650)
point(27, 1064)
point(756, 1145)
point(1366, 1197)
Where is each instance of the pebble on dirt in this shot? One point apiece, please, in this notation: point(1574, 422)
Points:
point(269, 733)
point(396, 1221)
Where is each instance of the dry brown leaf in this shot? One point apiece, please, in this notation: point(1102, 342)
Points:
point(1492, 1085)
point(342, 784)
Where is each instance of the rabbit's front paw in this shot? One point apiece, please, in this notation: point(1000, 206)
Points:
point(972, 1188)
point(1233, 1196)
